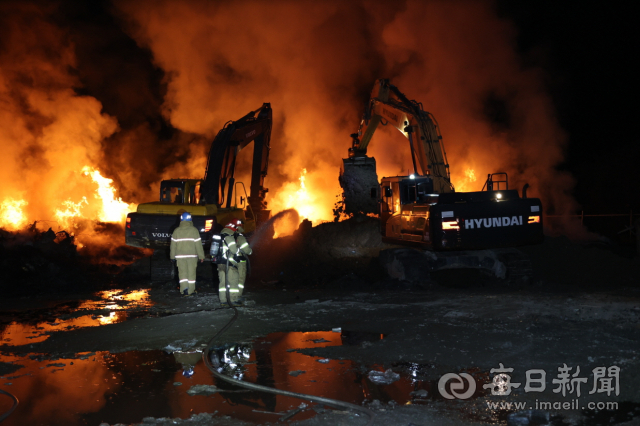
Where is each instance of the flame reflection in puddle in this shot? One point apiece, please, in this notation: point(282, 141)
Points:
point(126, 387)
point(18, 333)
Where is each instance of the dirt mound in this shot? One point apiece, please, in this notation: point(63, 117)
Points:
point(355, 237)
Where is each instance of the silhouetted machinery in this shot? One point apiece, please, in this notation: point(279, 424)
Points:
point(213, 201)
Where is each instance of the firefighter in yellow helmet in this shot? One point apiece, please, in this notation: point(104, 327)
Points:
point(235, 250)
point(186, 249)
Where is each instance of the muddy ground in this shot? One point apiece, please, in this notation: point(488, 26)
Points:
point(580, 308)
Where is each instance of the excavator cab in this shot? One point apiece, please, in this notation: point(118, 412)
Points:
point(404, 208)
point(180, 191)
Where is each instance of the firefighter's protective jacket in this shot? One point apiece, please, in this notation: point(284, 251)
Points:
point(236, 244)
point(186, 242)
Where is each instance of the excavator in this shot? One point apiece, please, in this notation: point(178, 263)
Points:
point(423, 210)
point(212, 201)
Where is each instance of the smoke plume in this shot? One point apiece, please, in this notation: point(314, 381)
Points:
point(139, 89)
point(316, 63)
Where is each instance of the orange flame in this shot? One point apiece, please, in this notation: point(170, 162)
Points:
point(466, 184)
point(11, 215)
point(113, 209)
point(296, 196)
point(110, 208)
point(72, 211)
point(309, 200)
point(471, 175)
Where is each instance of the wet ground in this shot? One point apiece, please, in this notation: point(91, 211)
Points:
point(408, 351)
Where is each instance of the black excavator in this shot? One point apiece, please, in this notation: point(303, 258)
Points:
point(451, 229)
point(213, 201)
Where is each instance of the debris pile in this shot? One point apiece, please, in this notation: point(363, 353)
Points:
point(35, 262)
point(35, 259)
point(355, 237)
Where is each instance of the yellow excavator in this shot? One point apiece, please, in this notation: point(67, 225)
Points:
point(212, 201)
point(422, 209)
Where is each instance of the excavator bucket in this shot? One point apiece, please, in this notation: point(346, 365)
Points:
point(359, 182)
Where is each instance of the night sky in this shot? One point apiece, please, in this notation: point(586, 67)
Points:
point(588, 50)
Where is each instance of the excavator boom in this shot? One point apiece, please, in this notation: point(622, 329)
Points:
point(388, 105)
point(218, 183)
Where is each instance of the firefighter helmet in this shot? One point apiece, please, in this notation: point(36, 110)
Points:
point(185, 216)
point(234, 224)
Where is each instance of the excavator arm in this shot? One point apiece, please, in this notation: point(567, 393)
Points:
point(390, 106)
point(218, 183)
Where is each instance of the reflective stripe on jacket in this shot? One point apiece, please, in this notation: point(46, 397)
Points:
point(186, 242)
point(237, 247)
point(243, 245)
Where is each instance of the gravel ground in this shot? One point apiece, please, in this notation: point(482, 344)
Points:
point(581, 308)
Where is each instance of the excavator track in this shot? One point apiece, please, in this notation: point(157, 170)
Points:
point(519, 269)
point(509, 265)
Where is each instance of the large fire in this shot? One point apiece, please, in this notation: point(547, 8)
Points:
point(108, 207)
point(149, 111)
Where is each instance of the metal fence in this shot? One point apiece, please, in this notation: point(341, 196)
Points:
point(619, 227)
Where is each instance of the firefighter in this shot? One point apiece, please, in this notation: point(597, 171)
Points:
point(235, 250)
point(186, 249)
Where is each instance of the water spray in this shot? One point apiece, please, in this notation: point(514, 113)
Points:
point(261, 232)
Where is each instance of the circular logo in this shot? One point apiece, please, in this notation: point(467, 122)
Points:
point(457, 385)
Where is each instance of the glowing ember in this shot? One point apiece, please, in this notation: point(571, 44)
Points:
point(113, 209)
point(11, 214)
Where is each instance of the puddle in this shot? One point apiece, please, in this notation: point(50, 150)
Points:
point(108, 307)
point(126, 387)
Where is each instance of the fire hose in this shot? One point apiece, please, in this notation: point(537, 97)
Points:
point(15, 404)
point(319, 399)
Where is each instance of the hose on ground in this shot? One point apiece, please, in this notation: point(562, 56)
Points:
point(319, 399)
point(15, 404)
